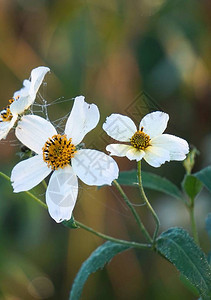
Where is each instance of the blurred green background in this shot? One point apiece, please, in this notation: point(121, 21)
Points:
point(128, 57)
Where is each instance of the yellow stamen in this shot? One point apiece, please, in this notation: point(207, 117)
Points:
point(5, 114)
point(12, 99)
point(58, 151)
point(140, 140)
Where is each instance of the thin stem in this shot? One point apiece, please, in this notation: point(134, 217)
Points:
point(44, 184)
point(136, 216)
point(5, 176)
point(36, 199)
point(109, 238)
point(28, 193)
point(104, 236)
point(144, 197)
point(193, 223)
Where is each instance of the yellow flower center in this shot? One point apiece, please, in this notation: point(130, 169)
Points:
point(58, 151)
point(140, 140)
point(5, 114)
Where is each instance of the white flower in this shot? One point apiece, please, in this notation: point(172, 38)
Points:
point(60, 154)
point(21, 100)
point(147, 142)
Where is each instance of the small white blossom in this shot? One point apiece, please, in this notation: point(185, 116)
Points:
point(61, 154)
point(21, 100)
point(147, 142)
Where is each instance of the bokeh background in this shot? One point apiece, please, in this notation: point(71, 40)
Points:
point(128, 57)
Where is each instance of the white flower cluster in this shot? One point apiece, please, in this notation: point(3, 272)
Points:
point(60, 152)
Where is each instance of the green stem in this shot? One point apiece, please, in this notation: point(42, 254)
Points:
point(5, 176)
point(193, 223)
point(28, 193)
point(136, 216)
point(144, 197)
point(109, 238)
point(36, 199)
point(44, 184)
point(104, 236)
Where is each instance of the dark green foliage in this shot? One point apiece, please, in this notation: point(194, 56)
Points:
point(192, 186)
point(96, 261)
point(150, 181)
point(205, 177)
point(180, 249)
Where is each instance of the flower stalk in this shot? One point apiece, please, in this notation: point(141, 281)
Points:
point(190, 208)
point(109, 238)
point(193, 224)
point(44, 184)
point(89, 229)
point(144, 197)
point(28, 193)
point(136, 216)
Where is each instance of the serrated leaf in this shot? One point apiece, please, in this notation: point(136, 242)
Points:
point(205, 177)
point(150, 181)
point(208, 229)
point(192, 186)
point(208, 225)
point(188, 285)
point(180, 249)
point(96, 261)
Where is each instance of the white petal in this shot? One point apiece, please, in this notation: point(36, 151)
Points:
point(26, 96)
point(118, 149)
point(22, 99)
point(33, 131)
point(6, 126)
point(135, 154)
point(94, 167)
point(83, 118)
point(24, 91)
point(154, 123)
point(156, 156)
point(119, 127)
point(29, 173)
point(61, 194)
point(177, 147)
point(37, 76)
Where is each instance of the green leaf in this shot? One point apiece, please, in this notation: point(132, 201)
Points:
point(180, 249)
point(205, 177)
point(150, 181)
point(97, 260)
point(208, 225)
point(192, 186)
point(188, 285)
point(208, 229)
